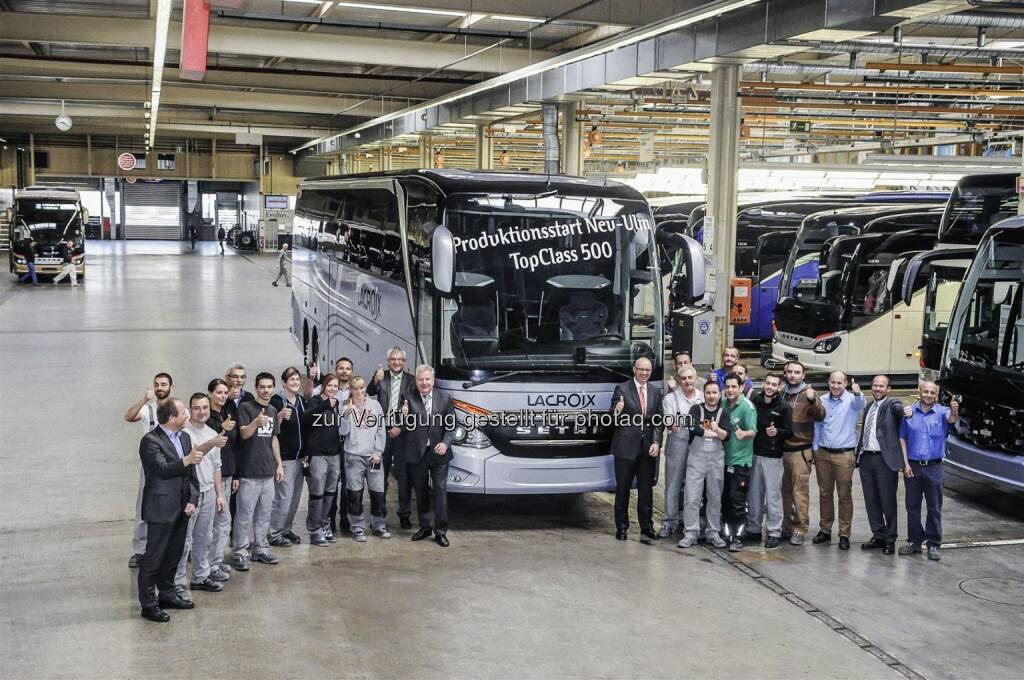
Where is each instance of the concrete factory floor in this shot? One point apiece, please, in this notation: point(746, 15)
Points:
point(531, 587)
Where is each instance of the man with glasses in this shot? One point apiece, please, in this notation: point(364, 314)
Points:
point(635, 447)
point(389, 386)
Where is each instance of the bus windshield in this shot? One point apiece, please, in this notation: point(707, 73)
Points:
point(45, 220)
point(989, 312)
point(978, 202)
point(554, 280)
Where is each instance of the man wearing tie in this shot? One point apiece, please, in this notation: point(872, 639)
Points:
point(880, 460)
point(426, 451)
point(389, 387)
point(169, 497)
point(635, 447)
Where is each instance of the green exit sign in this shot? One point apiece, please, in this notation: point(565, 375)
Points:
point(799, 126)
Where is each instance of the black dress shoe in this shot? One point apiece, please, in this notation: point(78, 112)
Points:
point(821, 537)
point(649, 533)
point(620, 534)
point(889, 548)
point(405, 522)
point(772, 542)
point(873, 544)
point(155, 614)
point(441, 540)
point(844, 542)
point(422, 533)
point(176, 602)
point(135, 560)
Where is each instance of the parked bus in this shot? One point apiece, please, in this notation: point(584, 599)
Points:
point(525, 292)
point(849, 315)
point(976, 203)
point(49, 216)
point(983, 362)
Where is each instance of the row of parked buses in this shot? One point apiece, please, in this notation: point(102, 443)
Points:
point(904, 284)
point(532, 294)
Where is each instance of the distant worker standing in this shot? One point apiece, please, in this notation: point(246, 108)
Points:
point(284, 266)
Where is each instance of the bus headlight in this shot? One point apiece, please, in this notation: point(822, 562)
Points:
point(18, 259)
point(828, 345)
point(475, 439)
point(78, 259)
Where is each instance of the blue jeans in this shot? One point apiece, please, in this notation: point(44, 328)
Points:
point(31, 274)
point(927, 483)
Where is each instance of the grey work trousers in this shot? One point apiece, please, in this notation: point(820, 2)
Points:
point(139, 528)
point(703, 469)
point(221, 527)
point(357, 475)
point(287, 494)
point(323, 484)
point(676, 448)
point(764, 493)
point(285, 271)
point(198, 540)
point(252, 516)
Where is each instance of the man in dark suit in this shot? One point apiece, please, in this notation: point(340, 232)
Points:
point(426, 451)
point(169, 497)
point(389, 387)
point(635, 446)
point(880, 460)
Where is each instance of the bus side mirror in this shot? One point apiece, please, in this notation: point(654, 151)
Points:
point(442, 259)
point(85, 216)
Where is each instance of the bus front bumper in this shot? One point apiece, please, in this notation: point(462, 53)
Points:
point(996, 469)
point(487, 471)
point(48, 269)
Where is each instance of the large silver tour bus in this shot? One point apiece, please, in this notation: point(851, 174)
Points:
point(527, 293)
point(983, 362)
point(49, 216)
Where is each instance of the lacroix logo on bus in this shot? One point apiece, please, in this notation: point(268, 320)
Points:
point(563, 400)
point(368, 298)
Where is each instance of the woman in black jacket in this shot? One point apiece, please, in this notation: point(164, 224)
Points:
point(322, 447)
point(223, 416)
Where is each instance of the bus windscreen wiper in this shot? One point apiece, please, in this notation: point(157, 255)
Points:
point(491, 378)
point(561, 371)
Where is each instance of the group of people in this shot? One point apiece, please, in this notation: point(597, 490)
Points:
point(66, 251)
point(746, 457)
point(229, 465)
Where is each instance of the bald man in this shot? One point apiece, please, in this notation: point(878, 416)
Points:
point(635, 446)
point(835, 439)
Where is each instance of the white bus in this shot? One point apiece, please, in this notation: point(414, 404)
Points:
point(48, 215)
point(525, 292)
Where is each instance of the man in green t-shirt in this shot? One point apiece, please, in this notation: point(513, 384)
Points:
point(739, 456)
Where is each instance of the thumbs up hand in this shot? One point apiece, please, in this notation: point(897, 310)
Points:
point(856, 387)
point(770, 430)
point(379, 375)
point(228, 424)
point(264, 418)
point(405, 407)
point(620, 404)
point(908, 411)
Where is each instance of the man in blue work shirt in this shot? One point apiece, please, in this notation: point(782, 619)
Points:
point(730, 361)
point(835, 439)
point(923, 439)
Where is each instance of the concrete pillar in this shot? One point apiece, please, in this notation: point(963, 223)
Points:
point(572, 163)
point(484, 149)
point(213, 158)
point(723, 173)
point(426, 152)
point(31, 159)
point(88, 154)
point(385, 159)
point(552, 147)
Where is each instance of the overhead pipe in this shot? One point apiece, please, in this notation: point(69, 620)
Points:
point(987, 19)
point(549, 128)
point(871, 47)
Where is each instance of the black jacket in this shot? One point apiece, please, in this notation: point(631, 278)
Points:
point(888, 433)
point(382, 390)
point(633, 440)
point(170, 484)
point(777, 412)
point(421, 432)
point(228, 452)
point(320, 436)
point(290, 437)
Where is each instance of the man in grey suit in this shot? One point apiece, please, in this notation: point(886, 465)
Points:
point(880, 459)
point(169, 497)
point(635, 445)
point(389, 386)
point(426, 451)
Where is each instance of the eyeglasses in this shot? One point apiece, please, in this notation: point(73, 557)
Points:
point(642, 370)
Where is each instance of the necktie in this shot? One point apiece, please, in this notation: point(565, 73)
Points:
point(643, 400)
point(396, 385)
point(426, 405)
point(869, 422)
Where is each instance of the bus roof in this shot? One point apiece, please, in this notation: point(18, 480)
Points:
point(456, 181)
point(51, 193)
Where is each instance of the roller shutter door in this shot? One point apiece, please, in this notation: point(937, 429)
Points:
point(152, 210)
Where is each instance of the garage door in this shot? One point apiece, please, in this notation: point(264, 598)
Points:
point(152, 210)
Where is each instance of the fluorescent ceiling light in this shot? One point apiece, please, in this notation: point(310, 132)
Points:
point(394, 8)
point(526, 20)
point(712, 10)
point(163, 19)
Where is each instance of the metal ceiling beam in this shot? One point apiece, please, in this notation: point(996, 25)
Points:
point(256, 17)
point(744, 35)
point(242, 40)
